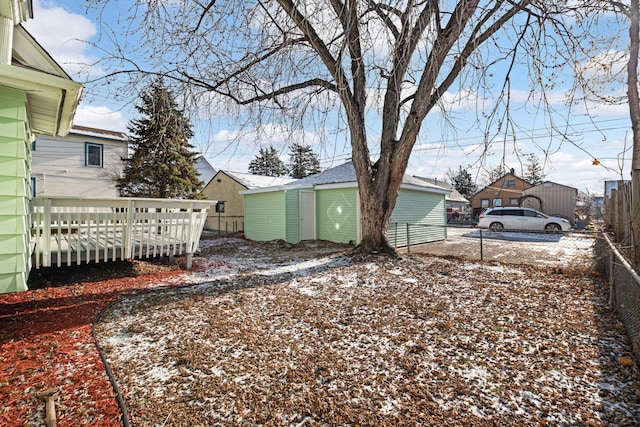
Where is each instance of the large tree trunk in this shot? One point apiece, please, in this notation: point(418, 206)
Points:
point(379, 184)
point(374, 225)
point(634, 111)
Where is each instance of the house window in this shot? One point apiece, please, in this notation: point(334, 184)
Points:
point(513, 201)
point(33, 186)
point(497, 202)
point(508, 183)
point(33, 145)
point(93, 154)
point(484, 203)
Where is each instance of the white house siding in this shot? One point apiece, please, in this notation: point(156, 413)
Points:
point(265, 216)
point(59, 166)
point(417, 207)
point(292, 207)
point(337, 215)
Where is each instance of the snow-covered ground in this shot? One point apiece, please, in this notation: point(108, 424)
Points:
point(275, 334)
point(566, 250)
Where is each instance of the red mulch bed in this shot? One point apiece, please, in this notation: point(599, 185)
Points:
point(46, 341)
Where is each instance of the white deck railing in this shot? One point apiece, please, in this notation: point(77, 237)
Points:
point(67, 230)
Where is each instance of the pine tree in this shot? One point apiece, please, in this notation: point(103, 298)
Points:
point(267, 162)
point(535, 174)
point(463, 182)
point(302, 161)
point(162, 163)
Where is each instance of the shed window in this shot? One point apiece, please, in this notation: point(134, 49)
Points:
point(93, 154)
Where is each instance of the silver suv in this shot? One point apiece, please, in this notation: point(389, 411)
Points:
point(497, 219)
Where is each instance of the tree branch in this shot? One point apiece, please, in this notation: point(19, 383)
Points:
point(204, 12)
point(380, 9)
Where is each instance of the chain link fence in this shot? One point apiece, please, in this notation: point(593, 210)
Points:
point(624, 286)
point(560, 249)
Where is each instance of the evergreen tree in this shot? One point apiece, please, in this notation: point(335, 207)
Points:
point(302, 161)
point(535, 174)
point(267, 162)
point(162, 163)
point(463, 182)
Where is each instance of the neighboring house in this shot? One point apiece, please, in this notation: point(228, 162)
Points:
point(36, 97)
point(454, 201)
point(505, 191)
point(553, 199)
point(85, 162)
point(326, 206)
point(225, 187)
point(204, 169)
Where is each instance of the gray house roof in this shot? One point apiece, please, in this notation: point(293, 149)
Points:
point(204, 169)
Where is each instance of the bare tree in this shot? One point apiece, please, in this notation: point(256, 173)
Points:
point(382, 67)
point(617, 67)
point(634, 112)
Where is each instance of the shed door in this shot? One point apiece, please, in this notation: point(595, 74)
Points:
point(307, 215)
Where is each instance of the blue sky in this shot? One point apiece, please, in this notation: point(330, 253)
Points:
point(61, 26)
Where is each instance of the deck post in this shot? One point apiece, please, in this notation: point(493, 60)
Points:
point(46, 233)
point(127, 239)
point(191, 239)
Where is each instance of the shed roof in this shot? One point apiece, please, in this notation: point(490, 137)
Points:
point(454, 196)
point(346, 174)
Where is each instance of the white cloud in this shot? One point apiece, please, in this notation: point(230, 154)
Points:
point(63, 35)
point(100, 117)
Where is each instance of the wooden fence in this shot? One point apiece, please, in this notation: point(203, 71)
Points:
point(617, 213)
point(68, 230)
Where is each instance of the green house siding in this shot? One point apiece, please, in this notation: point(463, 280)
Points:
point(265, 217)
point(292, 209)
point(15, 191)
point(425, 211)
point(337, 215)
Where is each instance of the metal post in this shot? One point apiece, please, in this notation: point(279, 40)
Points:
point(481, 254)
point(408, 240)
point(395, 237)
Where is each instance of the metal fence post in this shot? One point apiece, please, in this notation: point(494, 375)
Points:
point(408, 240)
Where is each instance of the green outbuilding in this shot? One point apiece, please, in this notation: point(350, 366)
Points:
point(326, 206)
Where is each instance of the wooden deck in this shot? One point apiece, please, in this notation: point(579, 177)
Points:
point(68, 231)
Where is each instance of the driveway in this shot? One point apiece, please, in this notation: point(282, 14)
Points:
point(565, 250)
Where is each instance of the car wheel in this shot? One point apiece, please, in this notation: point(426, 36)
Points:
point(496, 226)
point(553, 227)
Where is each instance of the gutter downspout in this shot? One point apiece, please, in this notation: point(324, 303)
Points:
point(6, 35)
